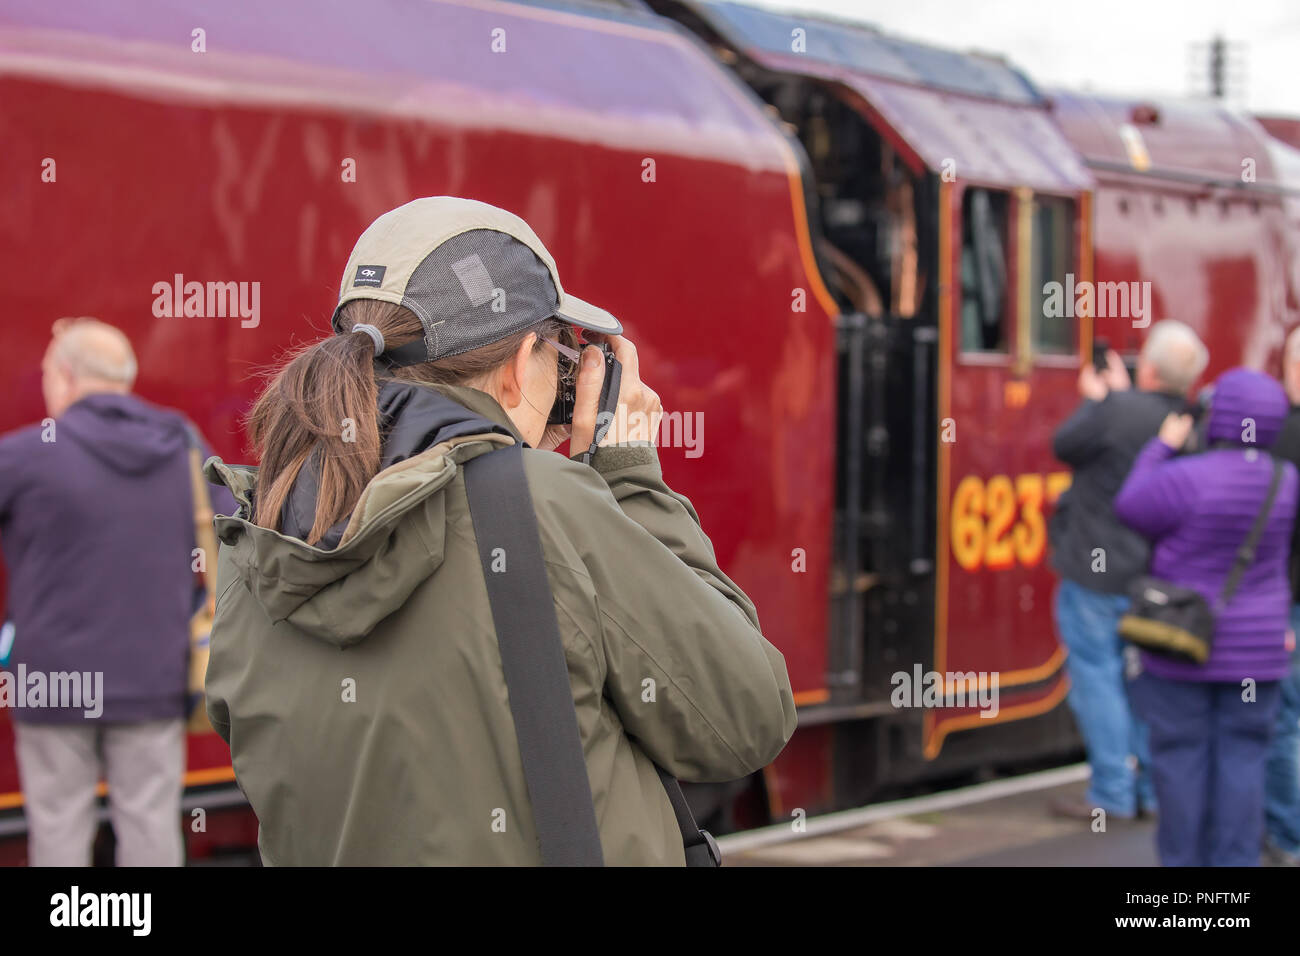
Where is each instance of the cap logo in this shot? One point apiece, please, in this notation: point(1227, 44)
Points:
point(474, 279)
point(369, 275)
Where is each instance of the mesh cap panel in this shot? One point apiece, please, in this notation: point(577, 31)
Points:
point(476, 288)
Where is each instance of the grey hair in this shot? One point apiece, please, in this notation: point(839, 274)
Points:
point(1176, 353)
point(80, 344)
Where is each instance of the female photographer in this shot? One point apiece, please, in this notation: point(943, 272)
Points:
point(355, 669)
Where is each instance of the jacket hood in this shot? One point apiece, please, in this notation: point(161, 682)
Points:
point(125, 432)
point(1247, 408)
point(338, 590)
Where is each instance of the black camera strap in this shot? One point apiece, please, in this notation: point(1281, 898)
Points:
point(606, 408)
point(1246, 553)
point(537, 678)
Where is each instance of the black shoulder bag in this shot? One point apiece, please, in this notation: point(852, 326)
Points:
point(537, 678)
point(1177, 622)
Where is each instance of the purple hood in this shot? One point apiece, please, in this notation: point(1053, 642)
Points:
point(1246, 405)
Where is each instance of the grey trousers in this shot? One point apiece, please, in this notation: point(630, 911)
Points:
point(144, 764)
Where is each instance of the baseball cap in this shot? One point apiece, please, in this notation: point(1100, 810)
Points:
point(473, 273)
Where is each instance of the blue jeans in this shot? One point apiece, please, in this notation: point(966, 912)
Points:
point(1282, 783)
point(1208, 748)
point(1088, 622)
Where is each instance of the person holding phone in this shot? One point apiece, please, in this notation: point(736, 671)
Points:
point(1097, 557)
point(355, 670)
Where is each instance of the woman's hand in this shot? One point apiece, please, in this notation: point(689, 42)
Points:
point(639, 408)
point(1175, 429)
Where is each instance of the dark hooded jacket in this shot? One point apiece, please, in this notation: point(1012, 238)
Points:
point(1288, 448)
point(1100, 442)
point(359, 682)
point(97, 526)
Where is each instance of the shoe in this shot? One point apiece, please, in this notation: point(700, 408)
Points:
point(1078, 808)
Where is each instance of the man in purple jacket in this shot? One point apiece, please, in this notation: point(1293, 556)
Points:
point(97, 526)
point(1210, 724)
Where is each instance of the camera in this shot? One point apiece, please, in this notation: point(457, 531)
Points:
point(562, 410)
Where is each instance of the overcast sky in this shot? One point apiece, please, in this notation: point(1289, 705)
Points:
point(1141, 47)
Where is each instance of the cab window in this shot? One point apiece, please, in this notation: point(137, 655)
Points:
point(984, 271)
point(1051, 268)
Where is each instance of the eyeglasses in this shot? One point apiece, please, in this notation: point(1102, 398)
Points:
point(569, 358)
point(566, 387)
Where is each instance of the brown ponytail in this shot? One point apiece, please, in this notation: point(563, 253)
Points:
point(311, 400)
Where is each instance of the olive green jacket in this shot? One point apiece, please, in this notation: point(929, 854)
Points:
point(361, 692)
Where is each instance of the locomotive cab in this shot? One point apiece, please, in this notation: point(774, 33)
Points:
point(944, 202)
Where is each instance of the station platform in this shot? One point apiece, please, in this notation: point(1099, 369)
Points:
point(1002, 823)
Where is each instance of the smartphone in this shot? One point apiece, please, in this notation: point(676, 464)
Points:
point(1099, 349)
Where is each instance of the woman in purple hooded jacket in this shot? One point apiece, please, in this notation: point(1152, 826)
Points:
point(1210, 724)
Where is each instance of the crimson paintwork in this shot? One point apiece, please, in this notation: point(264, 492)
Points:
point(228, 166)
point(1206, 224)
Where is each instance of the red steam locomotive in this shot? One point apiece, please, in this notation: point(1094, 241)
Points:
point(833, 248)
